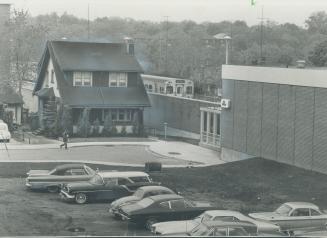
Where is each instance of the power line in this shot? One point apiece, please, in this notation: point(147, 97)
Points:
point(166, 48)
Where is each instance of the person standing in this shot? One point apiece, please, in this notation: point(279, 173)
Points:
point(64, 139)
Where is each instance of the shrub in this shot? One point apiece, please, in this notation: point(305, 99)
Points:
point(107, 125)
point(96, 127)
point(83, 125)
point(123, 131)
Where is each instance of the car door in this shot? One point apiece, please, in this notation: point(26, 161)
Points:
point(181, 211)
point(106, 191)
point(299, 218)
point(164, 212)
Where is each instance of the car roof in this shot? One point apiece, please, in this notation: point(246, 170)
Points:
point(165, 197)
point(154, 188)
point(217, 223)
point(223, 213)
point(302, 205)
point(117, 174)
point(69, 166)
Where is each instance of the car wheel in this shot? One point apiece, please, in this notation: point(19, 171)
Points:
point(53, 189)
point(149, 222)
point(80, 198)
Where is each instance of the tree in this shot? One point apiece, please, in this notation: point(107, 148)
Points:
point(50, 117)
point(318, 56)
point(83, 123)
point(317, 22)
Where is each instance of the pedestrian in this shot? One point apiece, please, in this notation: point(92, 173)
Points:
point(64, 139)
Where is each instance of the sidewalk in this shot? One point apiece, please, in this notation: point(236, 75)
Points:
point(198, 156)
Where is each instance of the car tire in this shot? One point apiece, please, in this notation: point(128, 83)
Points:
point(80, 198)
point(53, 189)
point(149, 222)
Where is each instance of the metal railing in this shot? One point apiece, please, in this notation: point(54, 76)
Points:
point(210, 138)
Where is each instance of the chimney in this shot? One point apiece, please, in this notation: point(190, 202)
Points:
point(300, 64)
point(129, 45)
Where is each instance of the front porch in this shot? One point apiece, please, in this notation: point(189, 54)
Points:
point(107, 121)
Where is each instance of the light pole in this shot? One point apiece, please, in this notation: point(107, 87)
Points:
point(226, 38)
point(165, 127)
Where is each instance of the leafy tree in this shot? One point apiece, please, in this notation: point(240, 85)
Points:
point(318, 56)
point(83, 123)
point(49, 118)
point(107, 125)
point(317, 22)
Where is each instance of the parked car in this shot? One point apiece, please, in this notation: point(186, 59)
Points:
point(52, 180)
point(139, 194)
point(224, 228)
point(5, 135)
point(105, 186)
point(294, 215)
point(165, 207)
point(171, 227)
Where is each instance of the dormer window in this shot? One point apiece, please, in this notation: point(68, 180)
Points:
point(117, 80)
point(83, 79)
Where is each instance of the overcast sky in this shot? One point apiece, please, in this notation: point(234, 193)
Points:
point(281, 11)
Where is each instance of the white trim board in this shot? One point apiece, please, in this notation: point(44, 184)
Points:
point(288, 76)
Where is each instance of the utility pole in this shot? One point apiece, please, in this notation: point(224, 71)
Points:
point(88, 22)
point(261, 35)
point(166, 48)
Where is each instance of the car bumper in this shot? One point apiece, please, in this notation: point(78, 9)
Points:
point(65, 196)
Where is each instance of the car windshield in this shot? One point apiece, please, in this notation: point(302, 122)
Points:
point(145, 202)
point(89, 170)
point(141, 179)
point(206, 217)
point(139, 193)
point(96, 179)
point(283, 209)
point(200, 230)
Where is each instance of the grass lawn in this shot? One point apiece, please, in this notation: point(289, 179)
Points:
point(247, 186)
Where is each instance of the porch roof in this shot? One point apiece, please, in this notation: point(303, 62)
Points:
point(106, 97)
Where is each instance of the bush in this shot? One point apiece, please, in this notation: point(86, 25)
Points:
point(113, 131)
point(107, 125)
point(96, 127)
point(83, 124)
point(123, 131)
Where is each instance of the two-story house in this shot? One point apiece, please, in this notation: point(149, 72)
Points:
point(103, 78)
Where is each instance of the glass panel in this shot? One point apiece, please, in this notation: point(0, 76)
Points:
point(169, 89)
point(189, 89)
point(114, 115)
point(121, 115)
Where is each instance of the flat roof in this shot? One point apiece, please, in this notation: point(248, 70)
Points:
point(287, 76)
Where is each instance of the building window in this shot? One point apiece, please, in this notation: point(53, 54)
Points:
point(150, 88)
point(83, 79)
point(52, 76)
point(117, 80)
point(189, 90)
point(162, 90)
point(179, 90)
point(121, 114)
point(169, 90)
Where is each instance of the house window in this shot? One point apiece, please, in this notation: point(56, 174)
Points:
point(117, 80)
point(52, 76)
point(121, 114)
point(162, 90)
point(150, 88)
point(83, 79)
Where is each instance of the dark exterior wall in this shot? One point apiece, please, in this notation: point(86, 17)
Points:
point(179, 113)
point(279, 122)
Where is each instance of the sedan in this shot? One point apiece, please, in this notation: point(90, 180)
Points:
point(166, 207)
point(171, 227)
point(294, 215)
point(5, 135)
point(139, 194)
point(52, 180)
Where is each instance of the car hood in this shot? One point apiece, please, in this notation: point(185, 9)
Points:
point(123, 200)
point(266, 216)
point(173, 227)
point(38, 172)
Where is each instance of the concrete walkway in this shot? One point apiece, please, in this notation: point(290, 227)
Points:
point(166, 149)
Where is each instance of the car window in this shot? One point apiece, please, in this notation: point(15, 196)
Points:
point(65, 172)
point(300, 212)
point(315, 212)
point(140, 179)
point(78, 172)
point(177, 204)
point(284, 210)
point(238, 231)
point(225, 218)
point(111, 181)
point(96, 180)
point(165, 205)
point(123, 181)
point(220, 232)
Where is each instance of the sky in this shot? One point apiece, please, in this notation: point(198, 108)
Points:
point(281, 11)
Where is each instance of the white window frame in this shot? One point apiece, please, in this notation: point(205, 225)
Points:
point(118, 80)
point(81, 76)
